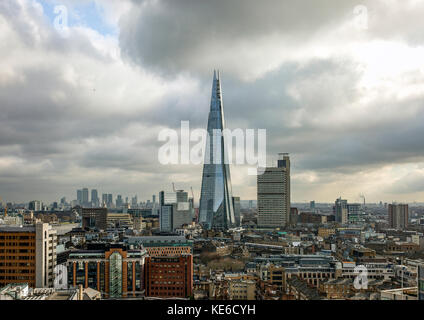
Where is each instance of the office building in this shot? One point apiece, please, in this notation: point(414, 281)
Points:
point(28, 255)
point(113, 269)
point(216, 209)
point(163, 246)
point(169, 277)
point(119, 201)
point(35, 205)
point(95, 202)
point(354, 211)
point(79, 197)
point(85, 202)
point(175, 210)
point(398, 216)
point(242, 290)
point(109, 200)
point(274, 195)
point(94, 218)
point(119, 220)
point(104, 200)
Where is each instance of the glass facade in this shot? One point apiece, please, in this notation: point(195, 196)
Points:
point(130, 276)
point(216, 205)
point(115, 275)
point(138, 274)
point(92, 275)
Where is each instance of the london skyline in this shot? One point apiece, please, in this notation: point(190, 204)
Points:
point(344, 101)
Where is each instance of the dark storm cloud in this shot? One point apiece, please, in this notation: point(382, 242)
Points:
point(185, 36)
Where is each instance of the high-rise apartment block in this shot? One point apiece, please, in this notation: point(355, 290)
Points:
point(273, 189)
point(398, 216)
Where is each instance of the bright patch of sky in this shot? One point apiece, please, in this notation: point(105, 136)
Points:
point(88, 14)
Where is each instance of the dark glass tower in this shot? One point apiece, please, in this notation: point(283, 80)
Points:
point(216, 205)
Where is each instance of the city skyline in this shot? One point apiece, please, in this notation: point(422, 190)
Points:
point(90, 114)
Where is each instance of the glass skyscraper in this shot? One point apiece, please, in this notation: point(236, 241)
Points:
point(216, 206)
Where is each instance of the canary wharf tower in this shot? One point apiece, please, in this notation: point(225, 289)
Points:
point(216, 207)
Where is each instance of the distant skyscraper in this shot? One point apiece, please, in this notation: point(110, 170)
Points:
point(119, 201)
point(398, 216)
point(341, 211)
point(134, 202)
point(216, 205)
point(85, 197)
point(94, 198)
point(104, 199)
point(79, 197)
point(109, 200)
point(35, 205)
point(274, 195)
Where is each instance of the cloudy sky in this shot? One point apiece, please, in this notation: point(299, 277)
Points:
point(337, 84)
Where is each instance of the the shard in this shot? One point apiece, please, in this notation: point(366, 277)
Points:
point(216, 206)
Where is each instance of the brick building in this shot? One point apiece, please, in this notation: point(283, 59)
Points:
point(169, 277)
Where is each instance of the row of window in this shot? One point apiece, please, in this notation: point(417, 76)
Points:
point(27, 257)
point(17, 237)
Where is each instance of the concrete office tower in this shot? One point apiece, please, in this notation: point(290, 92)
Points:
point(341, 211)
point(34, 245)
point(45, 250)
point(216, 206)
point(398, 216)
point(274, 195)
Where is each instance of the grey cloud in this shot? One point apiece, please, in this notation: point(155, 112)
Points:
point(181, 36)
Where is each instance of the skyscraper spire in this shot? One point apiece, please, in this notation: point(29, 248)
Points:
point(216, 206)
